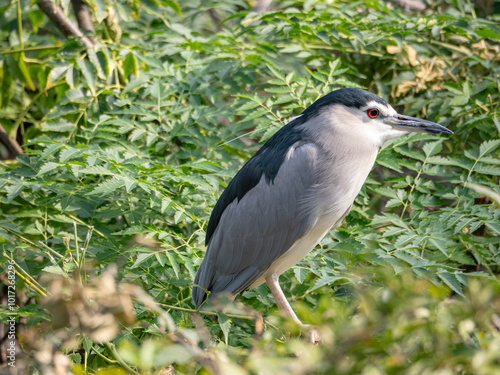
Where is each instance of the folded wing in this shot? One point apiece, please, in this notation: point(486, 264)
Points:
point(256, 229)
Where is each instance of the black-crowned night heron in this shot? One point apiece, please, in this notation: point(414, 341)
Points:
point(296, 188)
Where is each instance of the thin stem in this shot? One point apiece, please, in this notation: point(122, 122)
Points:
point(85, 361)
point(22, 115)
point(71, 134)
point(27, 277)
point(159, 101)
point(20, 26)
point(109, 360)
point(119, 359)
point(29, 49)
point(51, 250)
point(211, 313)
point(87, 225)
point(478, 255)
point(327, 81)
point(76, 243)
point(361, 50)
point(413, 186)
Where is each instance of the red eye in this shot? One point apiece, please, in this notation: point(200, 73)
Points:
point(372, 112)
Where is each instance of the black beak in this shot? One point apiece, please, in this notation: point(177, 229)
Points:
point(412, 124)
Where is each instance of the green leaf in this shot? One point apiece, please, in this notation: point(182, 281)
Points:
point(56, 74)
point(487, 33)
point(439, 160)
point(69, 153)
point(440, 244)
point(488, 147)
point(71, 77)
point(300, 274)
point(97, 63)
point(174, 5)
point(97, 170)
point(454, 88)
point(130, 66)
point(14, 190)
point(391, 203)
point(141, 258)
point(432, 148)
point(276, 72)
point(285, 99)
point(129, 184)
point(108, 186)
point(178, 216)
point(134, 229)
point(37, 19)
point(87, 70)
point(326, 280)
point(51, 149)
point(249, 105)
point(99, 9)
point(225, 325)
point(488, 170)
point(59, 125)
point(134, 83)
point(21, 70)
point(450, 280)
point(136, 134)
point(459, 101)
point(47, 167)
point(278, 90)
point(150, 61)
point(166, 203)
point(494, 226)
point(358, 35)
point(255, 114)
point(173, 262)
point(55, 270)
point(387, 192)
point(7, 80)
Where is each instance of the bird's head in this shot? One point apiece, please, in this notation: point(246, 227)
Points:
point(367, 117)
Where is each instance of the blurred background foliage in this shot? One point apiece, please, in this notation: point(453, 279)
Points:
point(118, 138)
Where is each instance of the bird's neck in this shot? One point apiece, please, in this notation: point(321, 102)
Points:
point(345, 164)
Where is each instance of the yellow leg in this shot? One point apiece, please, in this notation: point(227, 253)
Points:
point(285, 308)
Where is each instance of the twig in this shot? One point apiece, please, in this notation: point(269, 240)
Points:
point(65, 25)
point(262, 6)
point(410, 4)
point(10, 143)
point(82, 15)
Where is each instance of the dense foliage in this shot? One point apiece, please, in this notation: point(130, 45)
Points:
point(129, 144)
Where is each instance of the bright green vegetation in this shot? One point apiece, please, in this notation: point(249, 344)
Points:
point(128, 146)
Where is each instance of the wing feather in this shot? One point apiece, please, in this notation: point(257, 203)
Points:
point(260, 227)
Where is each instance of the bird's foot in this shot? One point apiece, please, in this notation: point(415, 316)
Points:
point(314, 335)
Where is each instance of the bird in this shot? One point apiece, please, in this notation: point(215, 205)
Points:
point(296, 188)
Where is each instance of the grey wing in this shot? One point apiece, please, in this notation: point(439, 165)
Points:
point(259, 228)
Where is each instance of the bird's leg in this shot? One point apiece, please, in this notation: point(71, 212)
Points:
point(285, 308)
point(283, 305)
